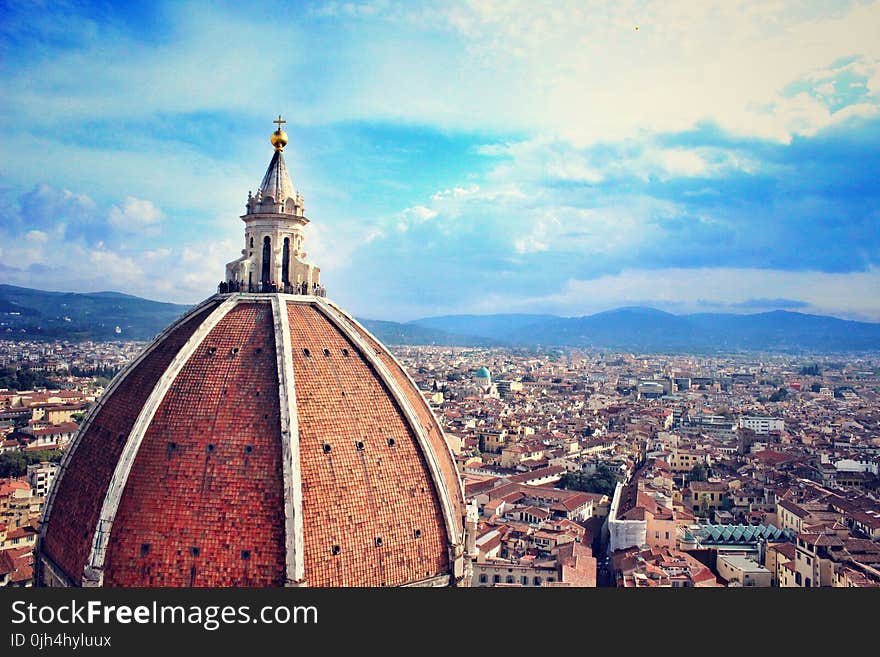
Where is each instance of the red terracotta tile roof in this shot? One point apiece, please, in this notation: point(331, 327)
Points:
point(351, 497)
point(80, 490)
point(8, 486)
point(785, 550)
point(55, 429)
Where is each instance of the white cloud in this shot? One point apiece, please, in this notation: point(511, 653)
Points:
point(111, 74)
point(37, 236)
point(202, 265)
point(863, 110)
point(563, 77)
point(114, 267)
point(413, 216)
point(684, 163)
point(692, 290)
point(419, 214)
point(455, 192)
point(156, 254)
point(186, 274)
point(331, 245)
point(581, 71)
point(576, 70)
point(373, 235)
point(614, 228)
point(45, 207)
point(149, 167)
point(544, 230)
point(533, 163)
point(350, 9)
point(570, 171)
point(874, 82)
point(135, 215)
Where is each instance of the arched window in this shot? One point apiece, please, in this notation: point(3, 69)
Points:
point(265, 277)
point(285, 262)
point(252, 241)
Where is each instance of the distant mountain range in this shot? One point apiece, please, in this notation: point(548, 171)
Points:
point(33, 314)
point(416, 334)
point(28, 314)
point(651, 330)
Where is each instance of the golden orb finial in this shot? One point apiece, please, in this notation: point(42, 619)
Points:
point(279, 137)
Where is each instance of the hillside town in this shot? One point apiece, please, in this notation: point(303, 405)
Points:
point(585, 468)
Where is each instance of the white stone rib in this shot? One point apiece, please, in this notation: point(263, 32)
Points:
point(344, 324)
point(94, 575)
point(290, 456)
point(93, 412)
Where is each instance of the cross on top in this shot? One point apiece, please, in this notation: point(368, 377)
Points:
point(279, 121)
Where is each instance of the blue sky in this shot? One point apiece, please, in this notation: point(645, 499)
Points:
point(454, 157)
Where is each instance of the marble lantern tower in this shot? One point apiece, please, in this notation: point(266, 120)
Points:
point(274, 220)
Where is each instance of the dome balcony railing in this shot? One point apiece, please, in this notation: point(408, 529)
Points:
point(232, 287)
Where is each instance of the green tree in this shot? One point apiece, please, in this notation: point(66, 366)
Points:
point(602, 481)
point(105, 371)
point(24, 379)
point(14, 464)
point(815, 387)
point(698, 472)
point(779, 395)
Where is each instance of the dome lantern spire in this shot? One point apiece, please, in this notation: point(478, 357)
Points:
point(279, 137)
point(273, 259)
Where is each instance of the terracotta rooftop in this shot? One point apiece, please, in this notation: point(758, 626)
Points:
point(54, 429)
point(8, 486)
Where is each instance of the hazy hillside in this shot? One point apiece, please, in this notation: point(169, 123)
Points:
point(411, 334)
point(497, 327)
point(648, 329)
point(34, 314)
point(29, 314)
point(643, 329)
